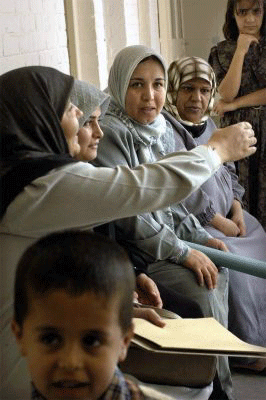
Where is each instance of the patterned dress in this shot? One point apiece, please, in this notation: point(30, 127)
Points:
point(252, 170)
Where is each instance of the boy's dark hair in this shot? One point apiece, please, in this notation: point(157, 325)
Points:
point(77, 262)
point(230, 28)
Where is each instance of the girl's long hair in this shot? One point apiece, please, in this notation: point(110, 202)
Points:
point(230, 28)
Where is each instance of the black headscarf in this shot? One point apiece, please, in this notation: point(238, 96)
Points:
point(32, 142)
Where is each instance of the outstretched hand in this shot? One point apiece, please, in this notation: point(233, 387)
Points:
point(234, 142)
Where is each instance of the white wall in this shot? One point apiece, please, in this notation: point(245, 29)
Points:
point(203, 21)
point(33, 32)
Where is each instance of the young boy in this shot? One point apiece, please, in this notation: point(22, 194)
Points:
point(73, 317)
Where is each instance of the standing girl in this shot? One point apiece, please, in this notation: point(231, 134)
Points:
point(239, 63)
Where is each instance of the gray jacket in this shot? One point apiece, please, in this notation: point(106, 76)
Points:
point(155, 235)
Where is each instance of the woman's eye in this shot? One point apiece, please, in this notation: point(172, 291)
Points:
point(136, 84)
point(50, 339)
point(159, 84)
point(187, 89)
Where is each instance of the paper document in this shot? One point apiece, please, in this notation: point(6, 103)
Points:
point(199, 335)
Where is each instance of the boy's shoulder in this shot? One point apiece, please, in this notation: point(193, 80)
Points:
point(123, 388)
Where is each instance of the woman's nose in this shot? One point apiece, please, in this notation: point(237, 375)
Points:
point(196, 95)
point(148, 93)
point(79, 113)
point(97, 131)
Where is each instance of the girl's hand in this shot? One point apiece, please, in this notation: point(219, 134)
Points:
point(221, 107)
point(244, 41)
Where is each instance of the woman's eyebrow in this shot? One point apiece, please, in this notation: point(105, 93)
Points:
point(136, 79)
point(142, 79)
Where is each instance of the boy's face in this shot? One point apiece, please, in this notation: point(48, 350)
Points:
point(72, 344)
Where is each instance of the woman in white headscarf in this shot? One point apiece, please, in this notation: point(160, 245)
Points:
point(135, 132)
point(217, 203)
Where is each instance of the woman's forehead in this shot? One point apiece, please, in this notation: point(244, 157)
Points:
point(147, 63)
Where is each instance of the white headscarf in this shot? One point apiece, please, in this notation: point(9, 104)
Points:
point(123, 67)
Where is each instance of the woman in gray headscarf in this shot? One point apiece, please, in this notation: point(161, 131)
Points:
point(135, 132)
point(217, 203)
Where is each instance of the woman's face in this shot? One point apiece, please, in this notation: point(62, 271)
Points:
point(249, 15)
point(193, 98)
point(89, 137)
point(70, 125)
point(146, 92)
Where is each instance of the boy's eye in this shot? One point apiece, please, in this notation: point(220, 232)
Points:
point(50, 339)
point(91, 341)
point(206, 91)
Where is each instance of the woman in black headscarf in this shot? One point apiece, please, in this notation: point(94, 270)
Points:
point(43, 189)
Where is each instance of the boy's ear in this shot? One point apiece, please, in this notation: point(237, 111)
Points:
point(17, 332)
point(126, 342)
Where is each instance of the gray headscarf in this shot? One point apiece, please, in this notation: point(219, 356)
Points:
point(183, 70)
point(87, 98)
point(123, 67)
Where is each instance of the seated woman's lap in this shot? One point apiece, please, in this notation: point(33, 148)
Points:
point(213, 303)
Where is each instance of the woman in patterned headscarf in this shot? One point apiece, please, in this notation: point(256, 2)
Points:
point(217, 204)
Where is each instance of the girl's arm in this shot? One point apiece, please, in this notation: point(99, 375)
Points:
point(257, 98)
point(229, 87)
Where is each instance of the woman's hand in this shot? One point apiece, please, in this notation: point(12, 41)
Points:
point(234, 142)
point(225, 225)
point(147, 291)
point(238, 217)
point(216, 244)
point(150, 315)
point(205, 270)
